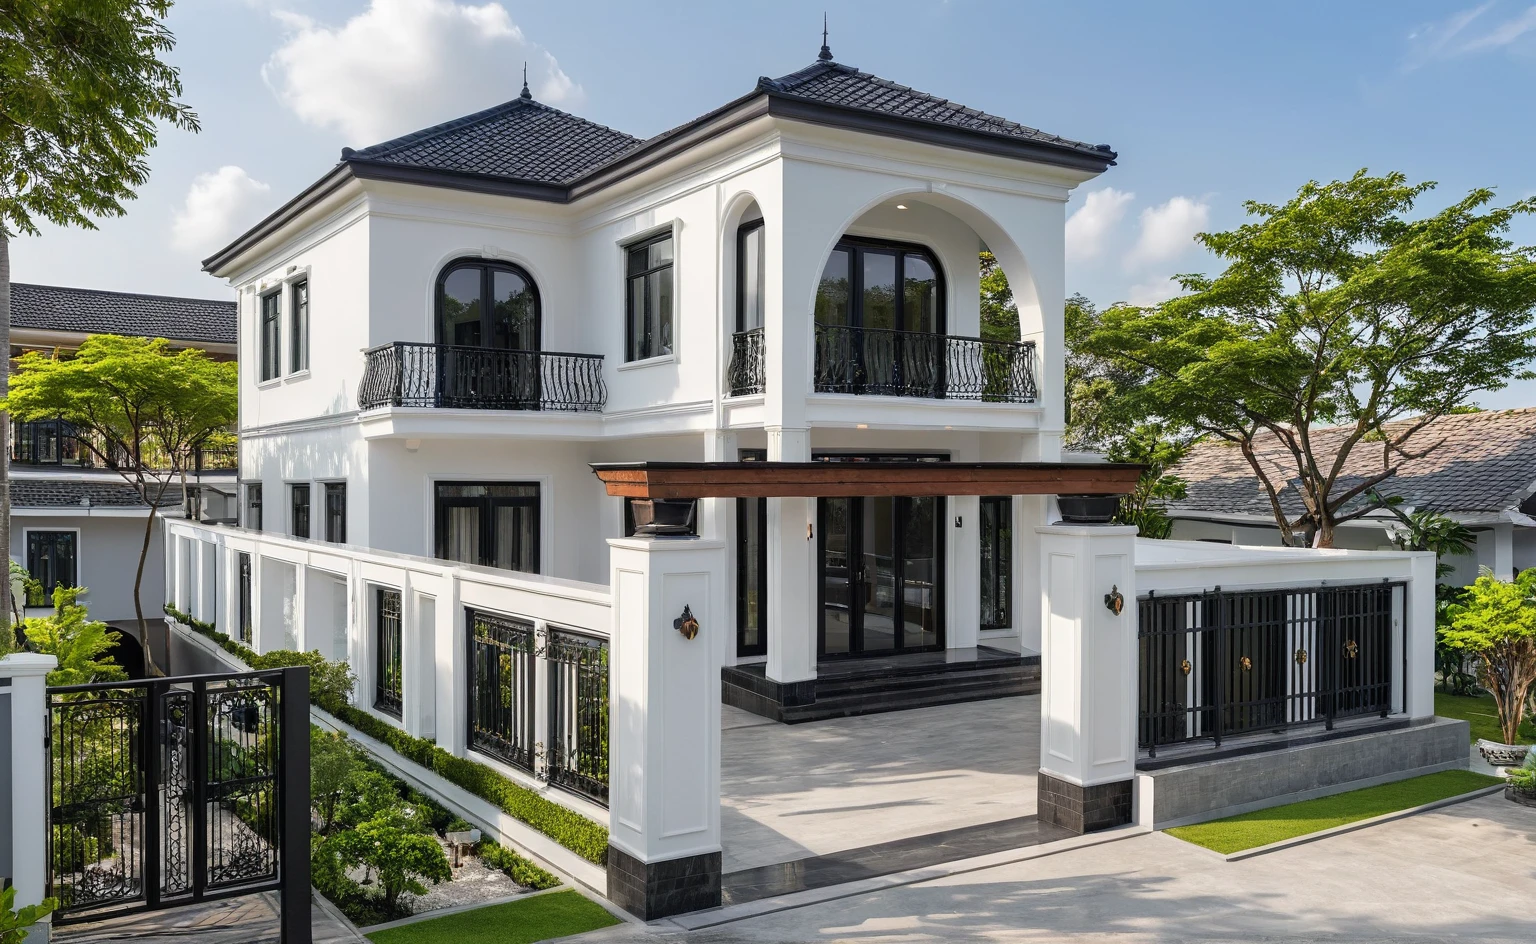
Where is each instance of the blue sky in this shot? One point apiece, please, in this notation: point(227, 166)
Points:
point(1208, 104)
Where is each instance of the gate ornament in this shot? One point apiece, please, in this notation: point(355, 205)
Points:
point(1301, 657)
point(1114, 601)
point(1246, 663)
point(1351, 649)
point(1185, 667)
point(686, 624)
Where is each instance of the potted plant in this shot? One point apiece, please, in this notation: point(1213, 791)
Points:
point(1522, 782)
point(1495, 622)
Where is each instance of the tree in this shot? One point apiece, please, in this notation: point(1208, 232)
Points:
point(138, 407)
point(1097, 414)
point(1496, 623)
point(394, 844)
point(82, 93)
point(332, 762)
point(999, 316)
point(1146, 506)
point(77, 642)
point(1335, 308)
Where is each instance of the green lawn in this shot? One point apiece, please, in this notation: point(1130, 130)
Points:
point(1262, 827)
point(1484, 717)
point(517, 922)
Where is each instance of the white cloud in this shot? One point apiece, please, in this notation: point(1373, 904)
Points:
point(1168, 231)
point(401, 65)
point(218, 204)
point(1466, 32)
point(1153, 291)
point(1091, 225)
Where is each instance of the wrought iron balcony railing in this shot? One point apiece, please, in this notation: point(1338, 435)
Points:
point(878, 361)
point(58, 442)
point(405, 373)
point(745, 375)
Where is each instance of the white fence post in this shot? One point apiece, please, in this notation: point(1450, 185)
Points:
point(26, 674)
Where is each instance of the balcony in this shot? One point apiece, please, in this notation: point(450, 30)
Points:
point(881, 362)
point(59, 443)
point(409, 374)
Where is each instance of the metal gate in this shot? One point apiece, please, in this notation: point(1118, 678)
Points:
point(171, 791)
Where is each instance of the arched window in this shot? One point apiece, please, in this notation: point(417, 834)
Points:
point(481, 303)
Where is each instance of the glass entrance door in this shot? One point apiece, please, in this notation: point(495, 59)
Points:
point(881, 576)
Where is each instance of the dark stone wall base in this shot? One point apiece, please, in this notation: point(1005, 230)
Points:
point(662, 889)
point(1083, 809)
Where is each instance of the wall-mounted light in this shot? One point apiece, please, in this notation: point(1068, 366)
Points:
point(686, 624)
point(958, 519)
point(901, 206)
point(1114, 600)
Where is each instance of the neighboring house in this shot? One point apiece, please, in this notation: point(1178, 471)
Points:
point(1478, 469)
point(74, 521)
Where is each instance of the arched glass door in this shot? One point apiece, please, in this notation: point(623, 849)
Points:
point(488, 335)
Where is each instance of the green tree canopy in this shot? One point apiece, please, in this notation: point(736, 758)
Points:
point(1495, 621)
point(140, 407)
point(1338, 307)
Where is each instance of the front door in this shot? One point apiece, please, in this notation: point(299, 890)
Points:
point(881, 567)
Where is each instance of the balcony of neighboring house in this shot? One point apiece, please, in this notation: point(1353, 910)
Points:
point(58, 443)
point(487, 357)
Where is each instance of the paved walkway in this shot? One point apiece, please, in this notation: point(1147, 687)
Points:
point(792, 791)
point(248, 920)
point(1463, 873)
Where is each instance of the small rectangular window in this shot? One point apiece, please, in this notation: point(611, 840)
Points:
point(271, 335)
point(253, 507)
point(996, 562)
point(51, 557)
point(389, 654)
point(298, 326)
point(649, 299)
point(300, 511)
point(336, 512)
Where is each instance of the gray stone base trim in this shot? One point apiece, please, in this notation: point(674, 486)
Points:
point(651, 890)
point(1083, 809)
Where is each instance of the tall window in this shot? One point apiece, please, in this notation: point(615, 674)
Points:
point(298, 326)
point(245, 598)
point(253, 506)
point(648, 271)
point(487, 304)
point(336, 512)
point(389, 653)
point(51, 561)
point(495, 524)
point(300, 518)
point(996, 562)
point(749, 276)
point(271, 335)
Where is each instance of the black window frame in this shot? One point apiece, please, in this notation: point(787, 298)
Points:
point(487, 518)
point(501, 695)
point(298, 325)
point(245, 628)
point(335, 496)
point(757, 507)
point(270, 335)
point(299, 520)
point(64, 569)
point(253, 506)
point(488, 269)
point(632, 352)
point(856, 246)
point(388, 652)
point(999, 532)
point(742, 232)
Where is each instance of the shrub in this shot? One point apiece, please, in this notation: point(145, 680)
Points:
point(1496, 622)
point(514, 866)
point(393, 844)
point(332, 762)
point(78, 643)
point(15, 921)
point(328, 680)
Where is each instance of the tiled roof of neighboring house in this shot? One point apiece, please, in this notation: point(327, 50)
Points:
point(92, 311)
point(833, 83)
point(73, 493)
point(1467, 463)
point(521, 139)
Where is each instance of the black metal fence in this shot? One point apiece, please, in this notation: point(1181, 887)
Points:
point(405, 373)
point(503, 684)
point(919, 364)
point(746, 373)
point(577, 753)
point(59, 442)
point(1221, 664)
point(176, 790)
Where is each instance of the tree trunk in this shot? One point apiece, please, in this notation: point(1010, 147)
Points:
point(5, 422)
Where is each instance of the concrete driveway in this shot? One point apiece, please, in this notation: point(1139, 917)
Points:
point(1463, 873)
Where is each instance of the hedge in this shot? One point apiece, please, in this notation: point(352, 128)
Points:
point(243, 653)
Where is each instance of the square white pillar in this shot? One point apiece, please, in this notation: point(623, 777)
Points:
point(1088, 665)
point(664, 696)
point(791, 578)
point(26, 676)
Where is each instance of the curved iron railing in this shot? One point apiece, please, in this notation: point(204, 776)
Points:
point(890, 363)
point(745, 375)
point(407, 373)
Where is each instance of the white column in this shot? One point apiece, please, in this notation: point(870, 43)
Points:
point(961, 529)
point(27, 674)
point(1420, 637)
point(1088, 676)
point(664, 806)
point(791, 569)
point(449, 639)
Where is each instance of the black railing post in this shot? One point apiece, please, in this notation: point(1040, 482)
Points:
point(294, 800)
point(152, 849)
point(1333, 663)
point(198, 730)
point(1219, 600)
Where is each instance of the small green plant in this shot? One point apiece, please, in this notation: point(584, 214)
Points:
point(77, 642)
point(14, 921)
point(394, 845)
point(332, 762)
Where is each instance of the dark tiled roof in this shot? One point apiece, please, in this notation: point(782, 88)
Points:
point(832, 83)
point(521, 140)
point(72, 493)
point(1471, 463)
point(91, 311)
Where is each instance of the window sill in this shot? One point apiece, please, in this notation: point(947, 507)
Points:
point(649, 362)
point(269, 384)
point(297, 375)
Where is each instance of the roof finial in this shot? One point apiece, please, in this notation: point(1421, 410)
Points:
point(826, 52)
point(525, 94)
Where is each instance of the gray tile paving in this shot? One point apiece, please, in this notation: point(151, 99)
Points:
point(252, 919)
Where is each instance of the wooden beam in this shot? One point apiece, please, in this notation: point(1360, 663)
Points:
point(669, 480)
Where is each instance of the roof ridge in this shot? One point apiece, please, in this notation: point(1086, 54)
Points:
point(112, 291)
point(386, 148)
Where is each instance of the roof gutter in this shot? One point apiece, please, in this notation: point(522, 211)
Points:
point(334, 180)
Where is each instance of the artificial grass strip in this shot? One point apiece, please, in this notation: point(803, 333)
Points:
point(515, 922)
point(1262, 827)
point(1480, 712)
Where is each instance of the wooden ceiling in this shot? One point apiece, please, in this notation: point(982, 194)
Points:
point(667, 480)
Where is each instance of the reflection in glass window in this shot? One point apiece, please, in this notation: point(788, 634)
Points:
point(648, 321)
